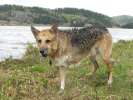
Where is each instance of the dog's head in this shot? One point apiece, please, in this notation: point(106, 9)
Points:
point(46, 40)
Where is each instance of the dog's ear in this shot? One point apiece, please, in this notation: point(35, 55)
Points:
point(54, 28)
point(34, 31)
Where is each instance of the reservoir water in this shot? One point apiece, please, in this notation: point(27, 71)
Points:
point(14, 39)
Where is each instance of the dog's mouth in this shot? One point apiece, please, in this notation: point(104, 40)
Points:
point(44, 55)
point(44, 52)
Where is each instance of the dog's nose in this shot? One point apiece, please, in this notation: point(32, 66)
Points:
point(44, 52)
point(41, 51)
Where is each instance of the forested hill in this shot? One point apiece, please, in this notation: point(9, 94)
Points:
point(125, 21)
point(19, 15)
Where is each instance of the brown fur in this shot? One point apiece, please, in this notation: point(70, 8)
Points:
point(63, 53)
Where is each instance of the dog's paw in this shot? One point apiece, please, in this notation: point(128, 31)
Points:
point(61, 92)
point(109, 84)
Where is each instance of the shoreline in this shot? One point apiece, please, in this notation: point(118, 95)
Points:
point(22, 55)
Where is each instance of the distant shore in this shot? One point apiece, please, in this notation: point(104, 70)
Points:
point(14, 23)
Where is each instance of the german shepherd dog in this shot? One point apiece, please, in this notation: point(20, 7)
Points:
point(70, 46)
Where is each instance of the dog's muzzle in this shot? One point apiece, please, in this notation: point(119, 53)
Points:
point(44, 52)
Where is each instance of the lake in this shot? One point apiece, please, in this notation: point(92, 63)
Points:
point(14, 39)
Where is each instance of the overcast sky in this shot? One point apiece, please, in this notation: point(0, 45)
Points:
point(107, 7)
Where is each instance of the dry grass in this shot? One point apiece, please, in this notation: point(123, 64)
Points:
point(33, 79)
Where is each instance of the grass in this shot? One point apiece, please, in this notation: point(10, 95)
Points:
point(32, 78)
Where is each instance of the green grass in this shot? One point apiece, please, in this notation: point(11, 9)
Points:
point(32, 78)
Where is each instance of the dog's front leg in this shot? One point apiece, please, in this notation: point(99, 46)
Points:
point(62, 77)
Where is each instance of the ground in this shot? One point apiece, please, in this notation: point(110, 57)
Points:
point(32, 78)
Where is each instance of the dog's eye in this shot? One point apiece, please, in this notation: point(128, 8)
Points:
point(48, 41)
point(39, 41)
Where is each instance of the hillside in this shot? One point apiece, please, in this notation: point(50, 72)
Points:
point(19, 15)
point(123, 20)
point(129, 26)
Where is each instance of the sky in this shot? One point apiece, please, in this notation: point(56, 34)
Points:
point(107, 7)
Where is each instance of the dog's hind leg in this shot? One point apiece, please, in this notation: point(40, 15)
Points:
point(95, 64)
point(93, 54)
point(106, 46)
point(109, 65)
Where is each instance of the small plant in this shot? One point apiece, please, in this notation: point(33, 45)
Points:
point(40, 69)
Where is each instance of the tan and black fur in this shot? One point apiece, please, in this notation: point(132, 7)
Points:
point(70, 46)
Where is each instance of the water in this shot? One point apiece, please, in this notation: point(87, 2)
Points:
point(14, 39)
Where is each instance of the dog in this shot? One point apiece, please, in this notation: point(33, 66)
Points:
point(66, 47)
